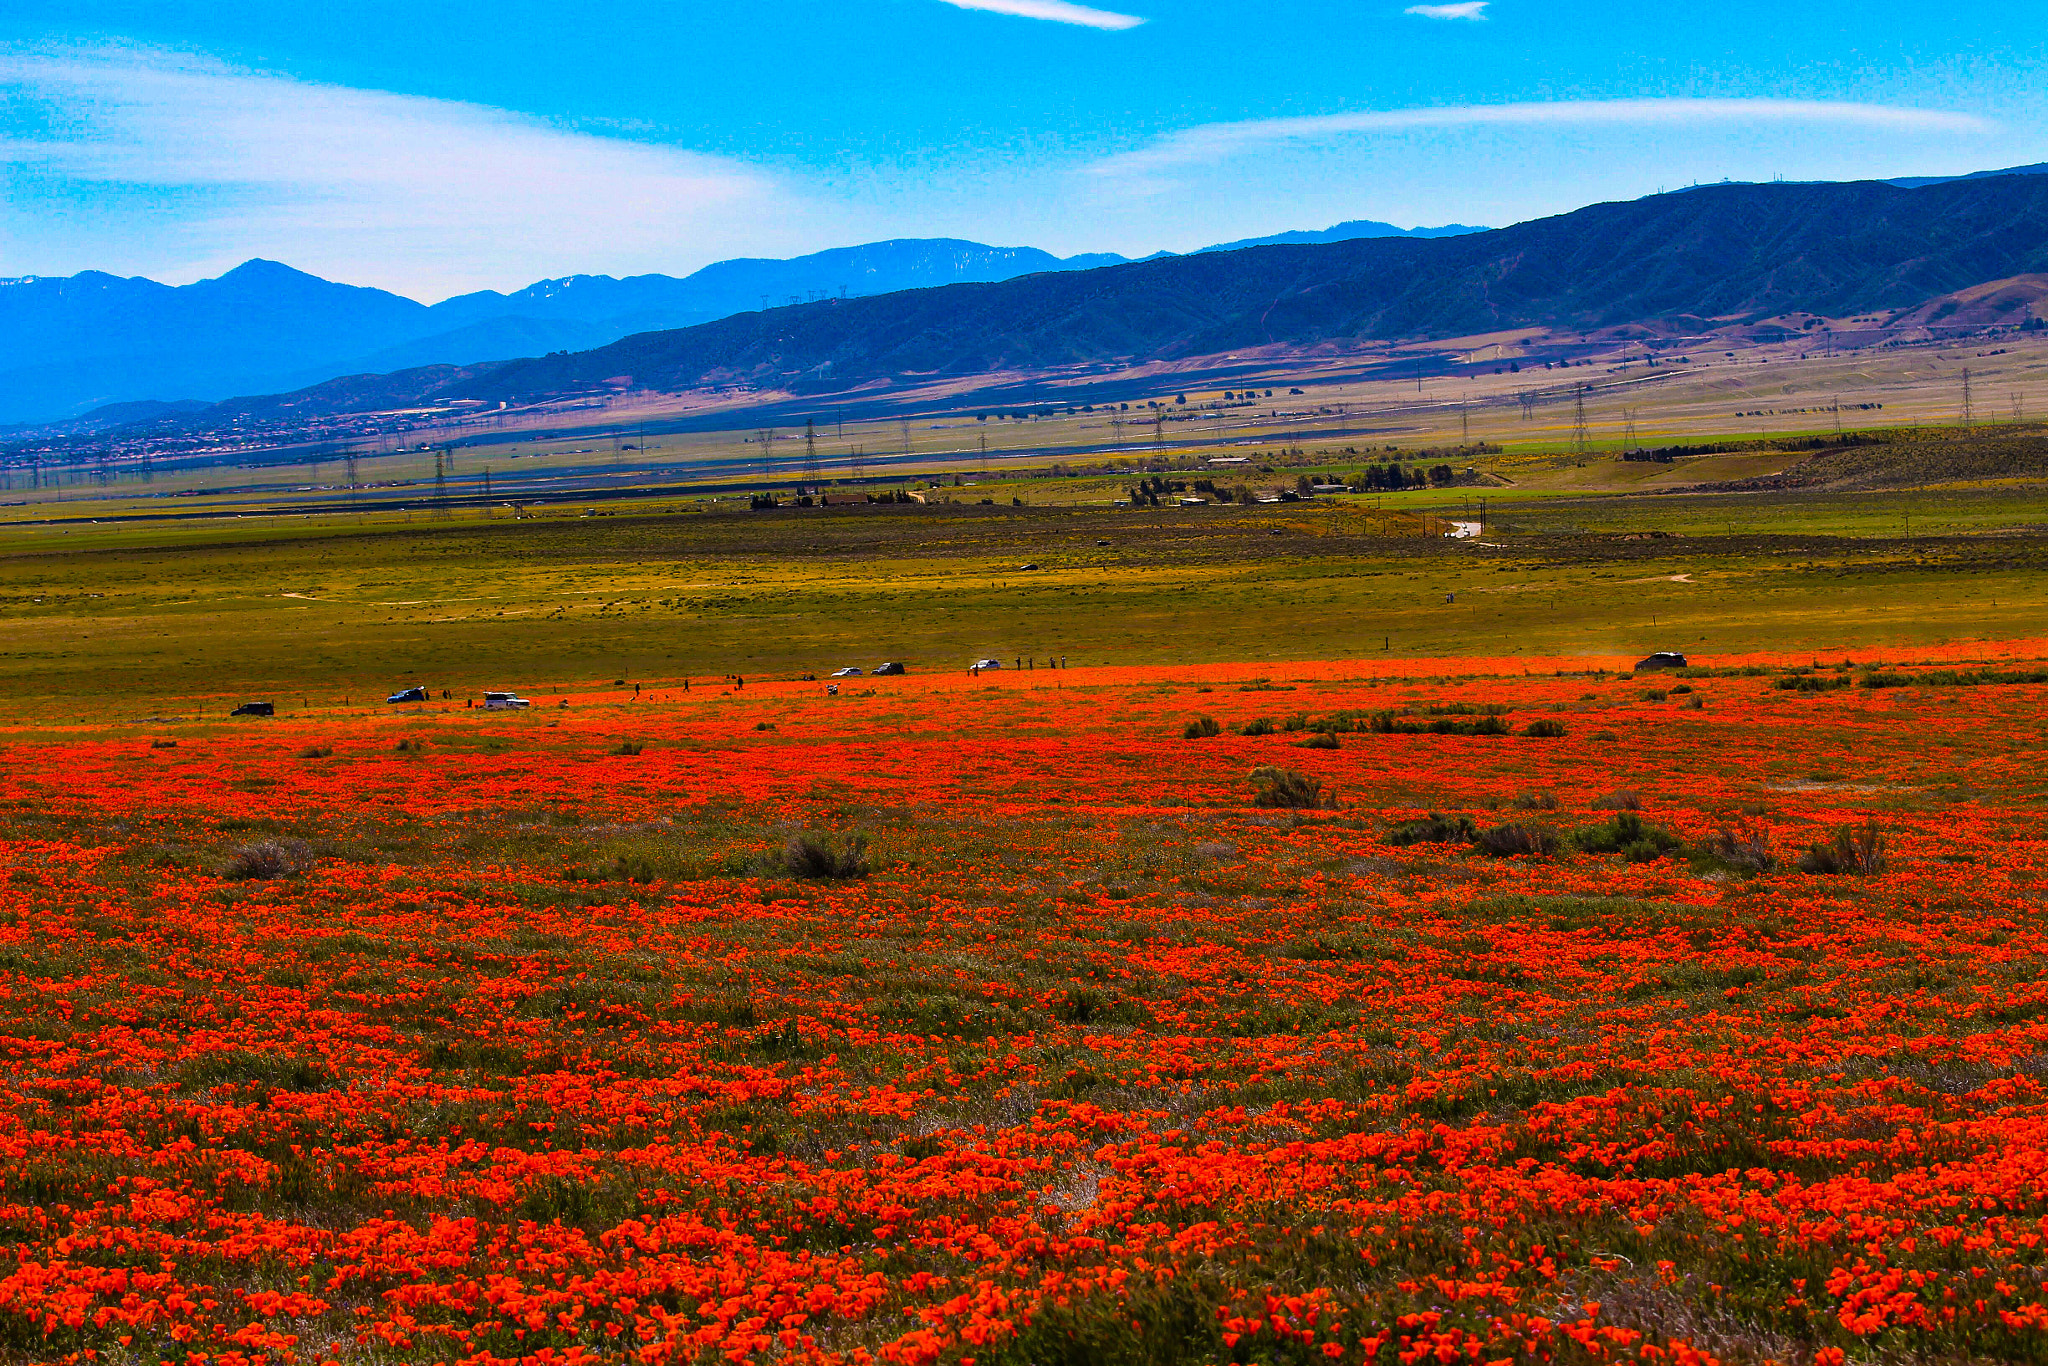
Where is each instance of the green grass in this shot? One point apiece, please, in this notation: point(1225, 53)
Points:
point(126, 620)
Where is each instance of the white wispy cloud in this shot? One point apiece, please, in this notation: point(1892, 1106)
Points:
point(1056, 10)
point(421, 195)
point(1212, 142)
point(1469, 9)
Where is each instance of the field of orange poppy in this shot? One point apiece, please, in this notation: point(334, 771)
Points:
point(1397, 1012)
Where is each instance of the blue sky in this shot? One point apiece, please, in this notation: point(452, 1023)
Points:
point(435, 148)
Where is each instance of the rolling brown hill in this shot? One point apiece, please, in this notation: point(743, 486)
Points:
point(1688, 262)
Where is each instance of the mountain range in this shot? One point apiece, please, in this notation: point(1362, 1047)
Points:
point(85, 342)
point(1679, 264)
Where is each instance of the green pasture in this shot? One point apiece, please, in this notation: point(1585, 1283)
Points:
point(126, 620)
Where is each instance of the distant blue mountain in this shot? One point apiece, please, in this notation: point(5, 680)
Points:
point(86, 342)
point(1914, 182)
point(1343, 232)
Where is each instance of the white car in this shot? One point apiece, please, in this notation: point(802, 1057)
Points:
point(988, 663)
point(850, 671)
point(504, 701)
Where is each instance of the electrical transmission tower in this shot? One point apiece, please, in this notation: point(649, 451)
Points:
point(1464, 417)
point(2019, 409)
point(904, 424)
point(1528, 401)
point(984, 452)
point(440, 485)
point(1581, 437)
point(766, 437)
point(811, 475)
point(1628, 436)
point(1966, 396)
point(350, 461)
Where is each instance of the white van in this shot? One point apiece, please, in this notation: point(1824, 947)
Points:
point(504, 701)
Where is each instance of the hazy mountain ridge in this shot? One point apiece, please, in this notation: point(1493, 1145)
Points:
point(1354, 230)
point(73, 344)
point(1689, 261)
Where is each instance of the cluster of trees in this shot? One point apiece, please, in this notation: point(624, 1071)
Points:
point(1394, 476)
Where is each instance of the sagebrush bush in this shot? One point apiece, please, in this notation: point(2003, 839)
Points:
point(1857, 850)
point(1260, 726)
point(1744, 846)
point(1545, 729)
point(411, 746)
point(1536, 801)
point(317, 752)
point(1505, 841)
point(625, 747)
point(1621, 799)
point(1433, 829)
point(1629, 835)
point(1322, 739)
point(1201, 728)
point(267, 859)
point(1283, 788)
point(819, 857)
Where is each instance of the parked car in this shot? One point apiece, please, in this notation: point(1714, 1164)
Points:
point(988, 663)
point(504, 701)
point(255, 709)
point(889, 670)
point(848, 672)
point(409, 695)
point(1663, 659)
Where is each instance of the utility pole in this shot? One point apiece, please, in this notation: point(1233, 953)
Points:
point(1838, 414)
point(984, 452)
point(1464, 417)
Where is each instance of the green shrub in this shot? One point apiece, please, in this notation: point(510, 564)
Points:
point(1545, 729)
point(1857, 850)
point(1322, 739)
point(1810, 683)
point(625, 747)
point(1536, 801)
point(1261, 726)
point(1433, 829)
point(1201, 728)
point(1621, 799)
point(1283, 788)
point(317, 752)
point(1629, 835)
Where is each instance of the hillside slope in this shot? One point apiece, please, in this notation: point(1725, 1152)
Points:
point(1684, 261)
